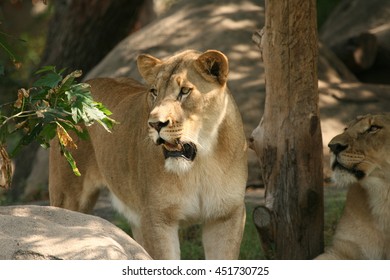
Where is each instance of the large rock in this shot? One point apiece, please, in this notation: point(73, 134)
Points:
point(43, 232)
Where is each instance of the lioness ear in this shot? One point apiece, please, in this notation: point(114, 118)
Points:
point(148, 67)
point(213, 65)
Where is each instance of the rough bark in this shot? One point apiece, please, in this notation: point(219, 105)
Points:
point(82, 32)
point(288, 139)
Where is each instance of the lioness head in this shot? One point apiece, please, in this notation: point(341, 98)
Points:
point(188, 102)
point(362, 151)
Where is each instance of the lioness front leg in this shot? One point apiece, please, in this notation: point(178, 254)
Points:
point(161, 241)
point(222, 237)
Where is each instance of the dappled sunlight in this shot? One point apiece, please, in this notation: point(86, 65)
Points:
point(232, 8)
point(246, 51)
point(327, 100)
point(54, 232)
point(362, 97)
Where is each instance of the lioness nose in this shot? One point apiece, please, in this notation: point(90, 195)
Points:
point(337, 147)
point(158, 125)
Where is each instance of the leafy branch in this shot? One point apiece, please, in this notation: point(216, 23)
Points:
point(54, 106)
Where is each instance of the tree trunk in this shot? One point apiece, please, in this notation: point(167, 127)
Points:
point(80, 34)
point(288, 139)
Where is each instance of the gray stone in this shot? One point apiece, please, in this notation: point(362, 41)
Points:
point(47, 233)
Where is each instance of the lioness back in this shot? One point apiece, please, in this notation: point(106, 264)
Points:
point(177, 156)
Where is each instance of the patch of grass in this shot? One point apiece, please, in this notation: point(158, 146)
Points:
point(191, 243)
point(334, 201)
point(4, 200)
point(122, 223)
point(250, 246)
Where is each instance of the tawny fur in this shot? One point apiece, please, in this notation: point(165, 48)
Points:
point(188, 92)
point(363, 231)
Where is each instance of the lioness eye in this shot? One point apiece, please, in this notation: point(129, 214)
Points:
point(153, 92)
point(373, 128)
point(184, 91)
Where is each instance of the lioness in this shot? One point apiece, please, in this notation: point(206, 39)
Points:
point(361, 159)
point(177, 156)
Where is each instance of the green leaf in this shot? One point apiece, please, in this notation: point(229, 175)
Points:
point(4, 133)
point(50, 80)
point(48, 132)
point(102, 108)
point(69, 79)
point(83, 134)
point(75, 114)
point(107, 123)
point(44, 69)
point(27, 139)
point(71, 161)
point(37, 94)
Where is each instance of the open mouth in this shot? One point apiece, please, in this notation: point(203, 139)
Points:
point(186, 151)
point(356, 172)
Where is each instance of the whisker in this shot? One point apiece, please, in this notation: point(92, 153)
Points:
point(146, 139)
point(191, 138)
point(371, 162)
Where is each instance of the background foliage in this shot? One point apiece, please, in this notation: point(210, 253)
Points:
point(54, 106)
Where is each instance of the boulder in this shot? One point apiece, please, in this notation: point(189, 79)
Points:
point(45, 233)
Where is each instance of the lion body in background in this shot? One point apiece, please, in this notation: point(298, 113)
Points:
point(361, 160)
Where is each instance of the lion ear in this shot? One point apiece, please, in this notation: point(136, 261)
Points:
point(213, 65)
point(148, 67)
